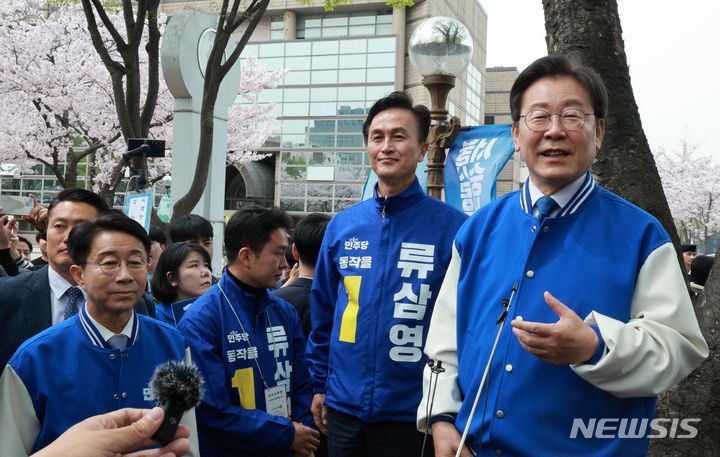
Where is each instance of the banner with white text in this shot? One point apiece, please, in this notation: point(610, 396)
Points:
point(474, 161)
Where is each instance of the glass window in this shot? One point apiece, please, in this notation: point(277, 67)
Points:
point(322, 141)
point(323, 94)
point(32, 184)
point(361, 30)
point(352, 61)
point(384, 59)
point(323, 109)
point(297, 78)
point(351, 93)
point(276, 34)
point(293, 172)
point(249, 50)
point(271, 49)
point(377, 75)
point(326, 47)
point(353, 46)
point(350, 125)
point(334, 31)
point(292, 190)
point(324, 77)
point(320, 190)
point(362, 18)
point(51, 184)
point(298, 48)
point(350, 158)
point(292, 140)
point(324, 62)
point(384, 18)
point(276, 22)
point(319, 205)
point(348, 191)
point(323, 125)
point(297, 63)
point(344, 204)
point(334, 21)
point(297, 95)
point(292, 204)
point(311, 33)
point(294, 126)
point(269, 95)
point(321, 158)
point(272, 63)
point(311, 21)
point(294, 158)
point(350, 109)
point(10, 184)
point(381, 44)
point(376, 92)
point(384, 29)
point(295, 109)
point(349, 173)
point(350, 141)
point(352, 76)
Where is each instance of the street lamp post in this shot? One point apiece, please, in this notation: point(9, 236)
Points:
point(440, 49)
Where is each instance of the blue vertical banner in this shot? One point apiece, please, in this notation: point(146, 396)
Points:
point(476, 157)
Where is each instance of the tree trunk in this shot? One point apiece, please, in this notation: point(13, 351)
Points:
point(589, 32)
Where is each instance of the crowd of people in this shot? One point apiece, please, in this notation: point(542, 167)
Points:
point(404, 329)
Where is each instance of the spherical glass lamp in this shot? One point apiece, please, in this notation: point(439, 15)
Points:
point(440, 46)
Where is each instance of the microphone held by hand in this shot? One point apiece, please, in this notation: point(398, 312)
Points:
point(177, 388)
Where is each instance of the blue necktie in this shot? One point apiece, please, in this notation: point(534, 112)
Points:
point(118, 342)
point(73, 298)
point(545, 206)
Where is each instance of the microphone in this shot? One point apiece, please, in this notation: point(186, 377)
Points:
point(177, 388)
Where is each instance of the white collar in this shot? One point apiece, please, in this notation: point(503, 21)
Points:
point(107, 334)
point(58, 284)
point(561, 197)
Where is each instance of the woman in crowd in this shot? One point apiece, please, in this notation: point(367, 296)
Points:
point(182, 274)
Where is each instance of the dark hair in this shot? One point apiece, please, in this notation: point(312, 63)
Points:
point(289, 257)
point(190, 227)
point(77, 195)
point(402, 100)
point(700, 269)
point(82, 235)
point(308, 236)
point(169, 262)
point(252, 228)
point(26, 241)
point(156, 234)
point(41, 235)
point(557, 65)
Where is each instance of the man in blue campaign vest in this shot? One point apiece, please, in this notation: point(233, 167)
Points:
point(379, 270)
point(599, 320)
point(249, 346)
point(97, 361)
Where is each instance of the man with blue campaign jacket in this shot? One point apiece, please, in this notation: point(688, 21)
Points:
point(99, 360)
point(379, 270)
point(249, 346)
point(599, 320)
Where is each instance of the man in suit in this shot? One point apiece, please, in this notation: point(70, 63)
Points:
point(308, 237)
point(31, 302)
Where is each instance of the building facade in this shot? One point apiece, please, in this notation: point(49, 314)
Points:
point(339, 63)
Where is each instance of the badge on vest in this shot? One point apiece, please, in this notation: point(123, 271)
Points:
point(276, 401)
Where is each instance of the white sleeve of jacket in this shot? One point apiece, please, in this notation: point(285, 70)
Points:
point(659, 345)
point(20, 426)
point(189, 420)
point(441, 346)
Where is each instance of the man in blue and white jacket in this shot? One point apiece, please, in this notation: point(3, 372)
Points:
point(599, 317)
point(379, 271)
point(97, 361)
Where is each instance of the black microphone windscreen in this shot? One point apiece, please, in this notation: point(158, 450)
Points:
point(177, 384)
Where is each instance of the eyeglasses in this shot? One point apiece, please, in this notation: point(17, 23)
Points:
point(570, 119)
point(112, 267)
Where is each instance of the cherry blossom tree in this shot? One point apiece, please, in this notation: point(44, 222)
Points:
point(60, 105)
point(692, 189)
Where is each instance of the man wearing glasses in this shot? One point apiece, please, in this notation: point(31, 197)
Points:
point(97, 361)
point(599, 320)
